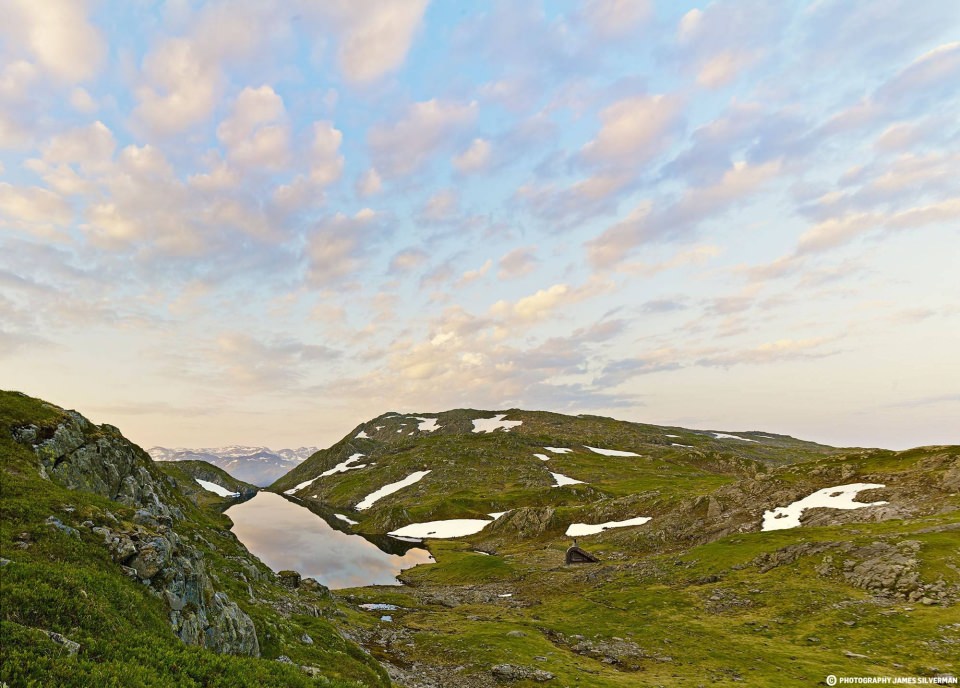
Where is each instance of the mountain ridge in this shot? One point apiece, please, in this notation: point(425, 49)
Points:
point(254, 464)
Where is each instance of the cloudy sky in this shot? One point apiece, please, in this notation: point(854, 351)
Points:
point(227, 223)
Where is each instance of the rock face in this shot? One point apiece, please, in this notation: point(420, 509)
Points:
point(98, 459)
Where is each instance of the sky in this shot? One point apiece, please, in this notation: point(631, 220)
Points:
point(265, 223)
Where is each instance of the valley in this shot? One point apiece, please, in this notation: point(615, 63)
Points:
point(723, 557)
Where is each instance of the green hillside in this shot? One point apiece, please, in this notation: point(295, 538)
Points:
point(95, 567)
point(696, 596)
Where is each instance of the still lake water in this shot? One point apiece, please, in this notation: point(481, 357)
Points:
point(288, 535)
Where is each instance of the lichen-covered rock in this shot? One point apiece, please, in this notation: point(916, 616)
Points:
point(512, 672)
point(98, 459)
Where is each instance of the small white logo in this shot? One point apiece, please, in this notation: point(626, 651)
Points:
point(831, 680)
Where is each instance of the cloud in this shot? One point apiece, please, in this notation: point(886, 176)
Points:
point(443, 206)
point(612, 19)
point(34, 209)
point(771, 352)
point(369, 183)
point(58, 35)
point(407, 260)
point(267, 366)
point(373, 36)
point(517, 263)
point(474, 159)
point(678, 219)
point(725, 38)
point(918, 86)
point(633, 131)
point(618, 372)
point(426, 128)
point(181, 89)
point(326, 163)
point(473, 275)
point(255, 133)
point(337, 246)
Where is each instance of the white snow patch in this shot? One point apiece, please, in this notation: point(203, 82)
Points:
point(578, 529)
point(610, 452)
point(506, 594)
point(362, 435)
point(725, 436)
point(558, 450)
point(564, 480)
point(542, 457)
point(348, 520)
point(389, 489)
point(216, 489)
point(344, 466)
point(456, 527)
point(497, 514)
point(477, 551)
point(300, 486)
point(674, 436)
point(839, 497)
point(495, 423)
point(685, 446)
point(378, 428)
point(428, 424)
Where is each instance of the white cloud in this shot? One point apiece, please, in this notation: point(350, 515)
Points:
point(181, 90)
point(326, 163)
point(337, 246)
point(34, 209)
point(58, 35)
point(650, 223)
point(425, 128)
point(82, 101)
point(633, 130)
point(616, 18)
point(474, 159)
point(90, 146)
point(473, 275)
point(255, 133)
point(517, 263)
point(373, 36)
point(441, 207)
point(369, 183)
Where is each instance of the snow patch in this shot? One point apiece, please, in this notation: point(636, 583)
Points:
point(610, 452)
point(300, 486)
point(362, 435)
point(558, 450)
point(685, 446)
point(348, 520)
point(497, 514)
point(542, 457)
point(495, 423)
point(674, 436)
point(839, 497)
point(725, 436)
point(427, 424)
point(456, 527)
point(562, 480)
point(380, 606)
point(344, 466)
point(216, 489)
point(389, 489)
point(578, 529)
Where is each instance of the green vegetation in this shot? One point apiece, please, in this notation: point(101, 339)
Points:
point(68, 584)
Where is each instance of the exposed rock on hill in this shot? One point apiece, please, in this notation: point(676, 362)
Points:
point(97, 459)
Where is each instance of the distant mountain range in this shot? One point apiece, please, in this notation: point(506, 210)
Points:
point(257, 465)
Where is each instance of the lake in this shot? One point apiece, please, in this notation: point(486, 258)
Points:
point(287, 535)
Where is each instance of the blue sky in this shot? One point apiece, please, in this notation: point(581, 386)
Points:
point(223, 222)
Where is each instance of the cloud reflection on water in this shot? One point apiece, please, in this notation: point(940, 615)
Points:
point(286, 535)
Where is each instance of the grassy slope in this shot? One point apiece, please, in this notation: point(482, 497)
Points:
point(476, 473)
point(71, 586)
point(187, 471)
point(704, 614)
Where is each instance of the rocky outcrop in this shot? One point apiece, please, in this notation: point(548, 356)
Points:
point(512, 672)
point(526, 522)
point(98, 459)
